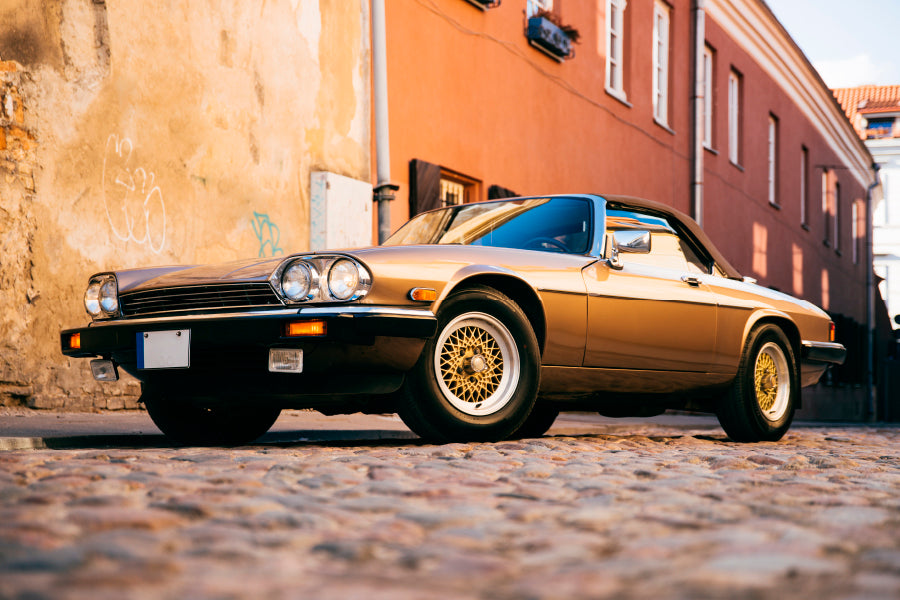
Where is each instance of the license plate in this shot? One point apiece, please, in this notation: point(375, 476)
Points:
point(164, 349)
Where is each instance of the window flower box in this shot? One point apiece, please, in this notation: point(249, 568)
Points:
point(484, 4)
point(548, 36)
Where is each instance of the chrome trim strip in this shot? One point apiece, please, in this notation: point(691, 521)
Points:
point(568, 293)
point(822, 345)
point(697, 302)
point(320, 311)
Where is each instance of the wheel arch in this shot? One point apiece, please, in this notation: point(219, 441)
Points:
point(516, 289)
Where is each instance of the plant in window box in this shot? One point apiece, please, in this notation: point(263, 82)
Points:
point(546, 31)
point(485, 4)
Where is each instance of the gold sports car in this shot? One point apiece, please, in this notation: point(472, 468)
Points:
point(473, 322)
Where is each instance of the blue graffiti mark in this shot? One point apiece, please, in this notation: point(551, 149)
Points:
point(267, 233)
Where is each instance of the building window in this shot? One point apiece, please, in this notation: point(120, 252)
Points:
point(661, 62)
point(615, 48)
point(734, 116)
point(804, 185)
point(457, 188)
point(881, 215)
point(854, 229)
point(708, 66)
point(879, 128)
point(826, 215)
point(773, 159)
point(532, 7)
point(837, 217)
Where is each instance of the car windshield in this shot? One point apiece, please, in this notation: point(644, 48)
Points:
point(548, 224)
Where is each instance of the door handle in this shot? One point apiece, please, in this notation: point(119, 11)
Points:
point(691, 280)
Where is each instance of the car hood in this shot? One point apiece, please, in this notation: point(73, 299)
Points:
point(430, 262)
point(183, 275)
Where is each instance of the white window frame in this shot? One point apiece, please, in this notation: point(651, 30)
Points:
point(837, 216)
point(804, 167)
point(825, 203)
point(615, 48)
point(734, 116)
point(708, 66)
point(533, 6)
point(773, 160)
point(661, 22)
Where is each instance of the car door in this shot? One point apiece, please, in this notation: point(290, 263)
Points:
point(656, 312)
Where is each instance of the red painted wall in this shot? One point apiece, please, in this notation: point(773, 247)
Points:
point(467, 92)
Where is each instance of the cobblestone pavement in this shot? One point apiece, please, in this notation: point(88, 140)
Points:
point(652, 512)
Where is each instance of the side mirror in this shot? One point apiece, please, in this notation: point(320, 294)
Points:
point(632, 242)
point(627, 241)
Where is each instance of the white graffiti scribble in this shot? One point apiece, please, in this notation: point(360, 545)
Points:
point(134, 204)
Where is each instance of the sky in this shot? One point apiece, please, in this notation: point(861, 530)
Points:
point(850, 42)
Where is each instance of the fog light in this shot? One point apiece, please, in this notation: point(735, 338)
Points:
point(104, 370)
point(75, 341)
point(283, 360)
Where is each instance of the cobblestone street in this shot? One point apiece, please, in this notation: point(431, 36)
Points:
point(650, 511)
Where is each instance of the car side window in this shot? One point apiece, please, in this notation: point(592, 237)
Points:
point(667, 248)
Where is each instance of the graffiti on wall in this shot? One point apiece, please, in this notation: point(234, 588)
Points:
point(268, 234)
point(134, 203)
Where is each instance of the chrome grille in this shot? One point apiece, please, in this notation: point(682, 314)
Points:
point(197, 297)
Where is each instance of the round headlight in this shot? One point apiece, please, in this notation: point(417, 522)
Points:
point(343, 279)
point(109, 297)
point(92, 299)
point(296, 281)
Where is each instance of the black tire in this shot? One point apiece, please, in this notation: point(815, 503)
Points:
point(477, 379)
point(760, 407)
point(538, 422)
point(185, 422)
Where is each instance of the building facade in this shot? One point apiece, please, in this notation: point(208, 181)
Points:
point(874, 112)
point(734, 126)
point(138, 133)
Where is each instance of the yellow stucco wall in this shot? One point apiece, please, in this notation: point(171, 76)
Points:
point(164, 132)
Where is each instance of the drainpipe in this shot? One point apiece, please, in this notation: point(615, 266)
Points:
point(384, 190)
point(697, 162)
point(870, 299)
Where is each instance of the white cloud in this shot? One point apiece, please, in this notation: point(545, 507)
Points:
point(852, 72)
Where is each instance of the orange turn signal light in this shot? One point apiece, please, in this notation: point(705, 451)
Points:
point(830, 331)
point(306, 328)
point(423, 294)
point(75, 341)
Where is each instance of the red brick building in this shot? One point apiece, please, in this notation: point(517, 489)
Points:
point(732, 125)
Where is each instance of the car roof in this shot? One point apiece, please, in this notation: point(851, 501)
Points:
point(685, 221)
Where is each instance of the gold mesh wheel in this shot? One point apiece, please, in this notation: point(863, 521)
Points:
point(476, 363)
point(771, 380)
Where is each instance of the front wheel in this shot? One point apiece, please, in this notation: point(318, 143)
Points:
point(760, 404)
point(186, 422)
point(477, 379)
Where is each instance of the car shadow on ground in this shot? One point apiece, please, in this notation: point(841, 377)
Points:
point(335, 438)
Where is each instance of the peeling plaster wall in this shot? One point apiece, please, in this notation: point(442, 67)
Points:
point(160, 132)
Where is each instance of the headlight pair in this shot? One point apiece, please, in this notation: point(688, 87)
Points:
point(321, 278)
point(102, 296)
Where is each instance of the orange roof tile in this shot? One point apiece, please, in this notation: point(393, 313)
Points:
point(867, 99)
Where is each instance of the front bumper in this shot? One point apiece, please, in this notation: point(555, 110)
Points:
point(365, 349)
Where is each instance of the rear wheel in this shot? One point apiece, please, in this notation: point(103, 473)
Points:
point(477, 379)
point(760, 404)
point(185, 422)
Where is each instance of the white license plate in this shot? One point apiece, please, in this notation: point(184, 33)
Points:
point(164, 349)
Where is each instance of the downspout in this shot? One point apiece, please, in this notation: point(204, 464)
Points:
point(870, 300)
point(699, 91)
point(384, 190)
